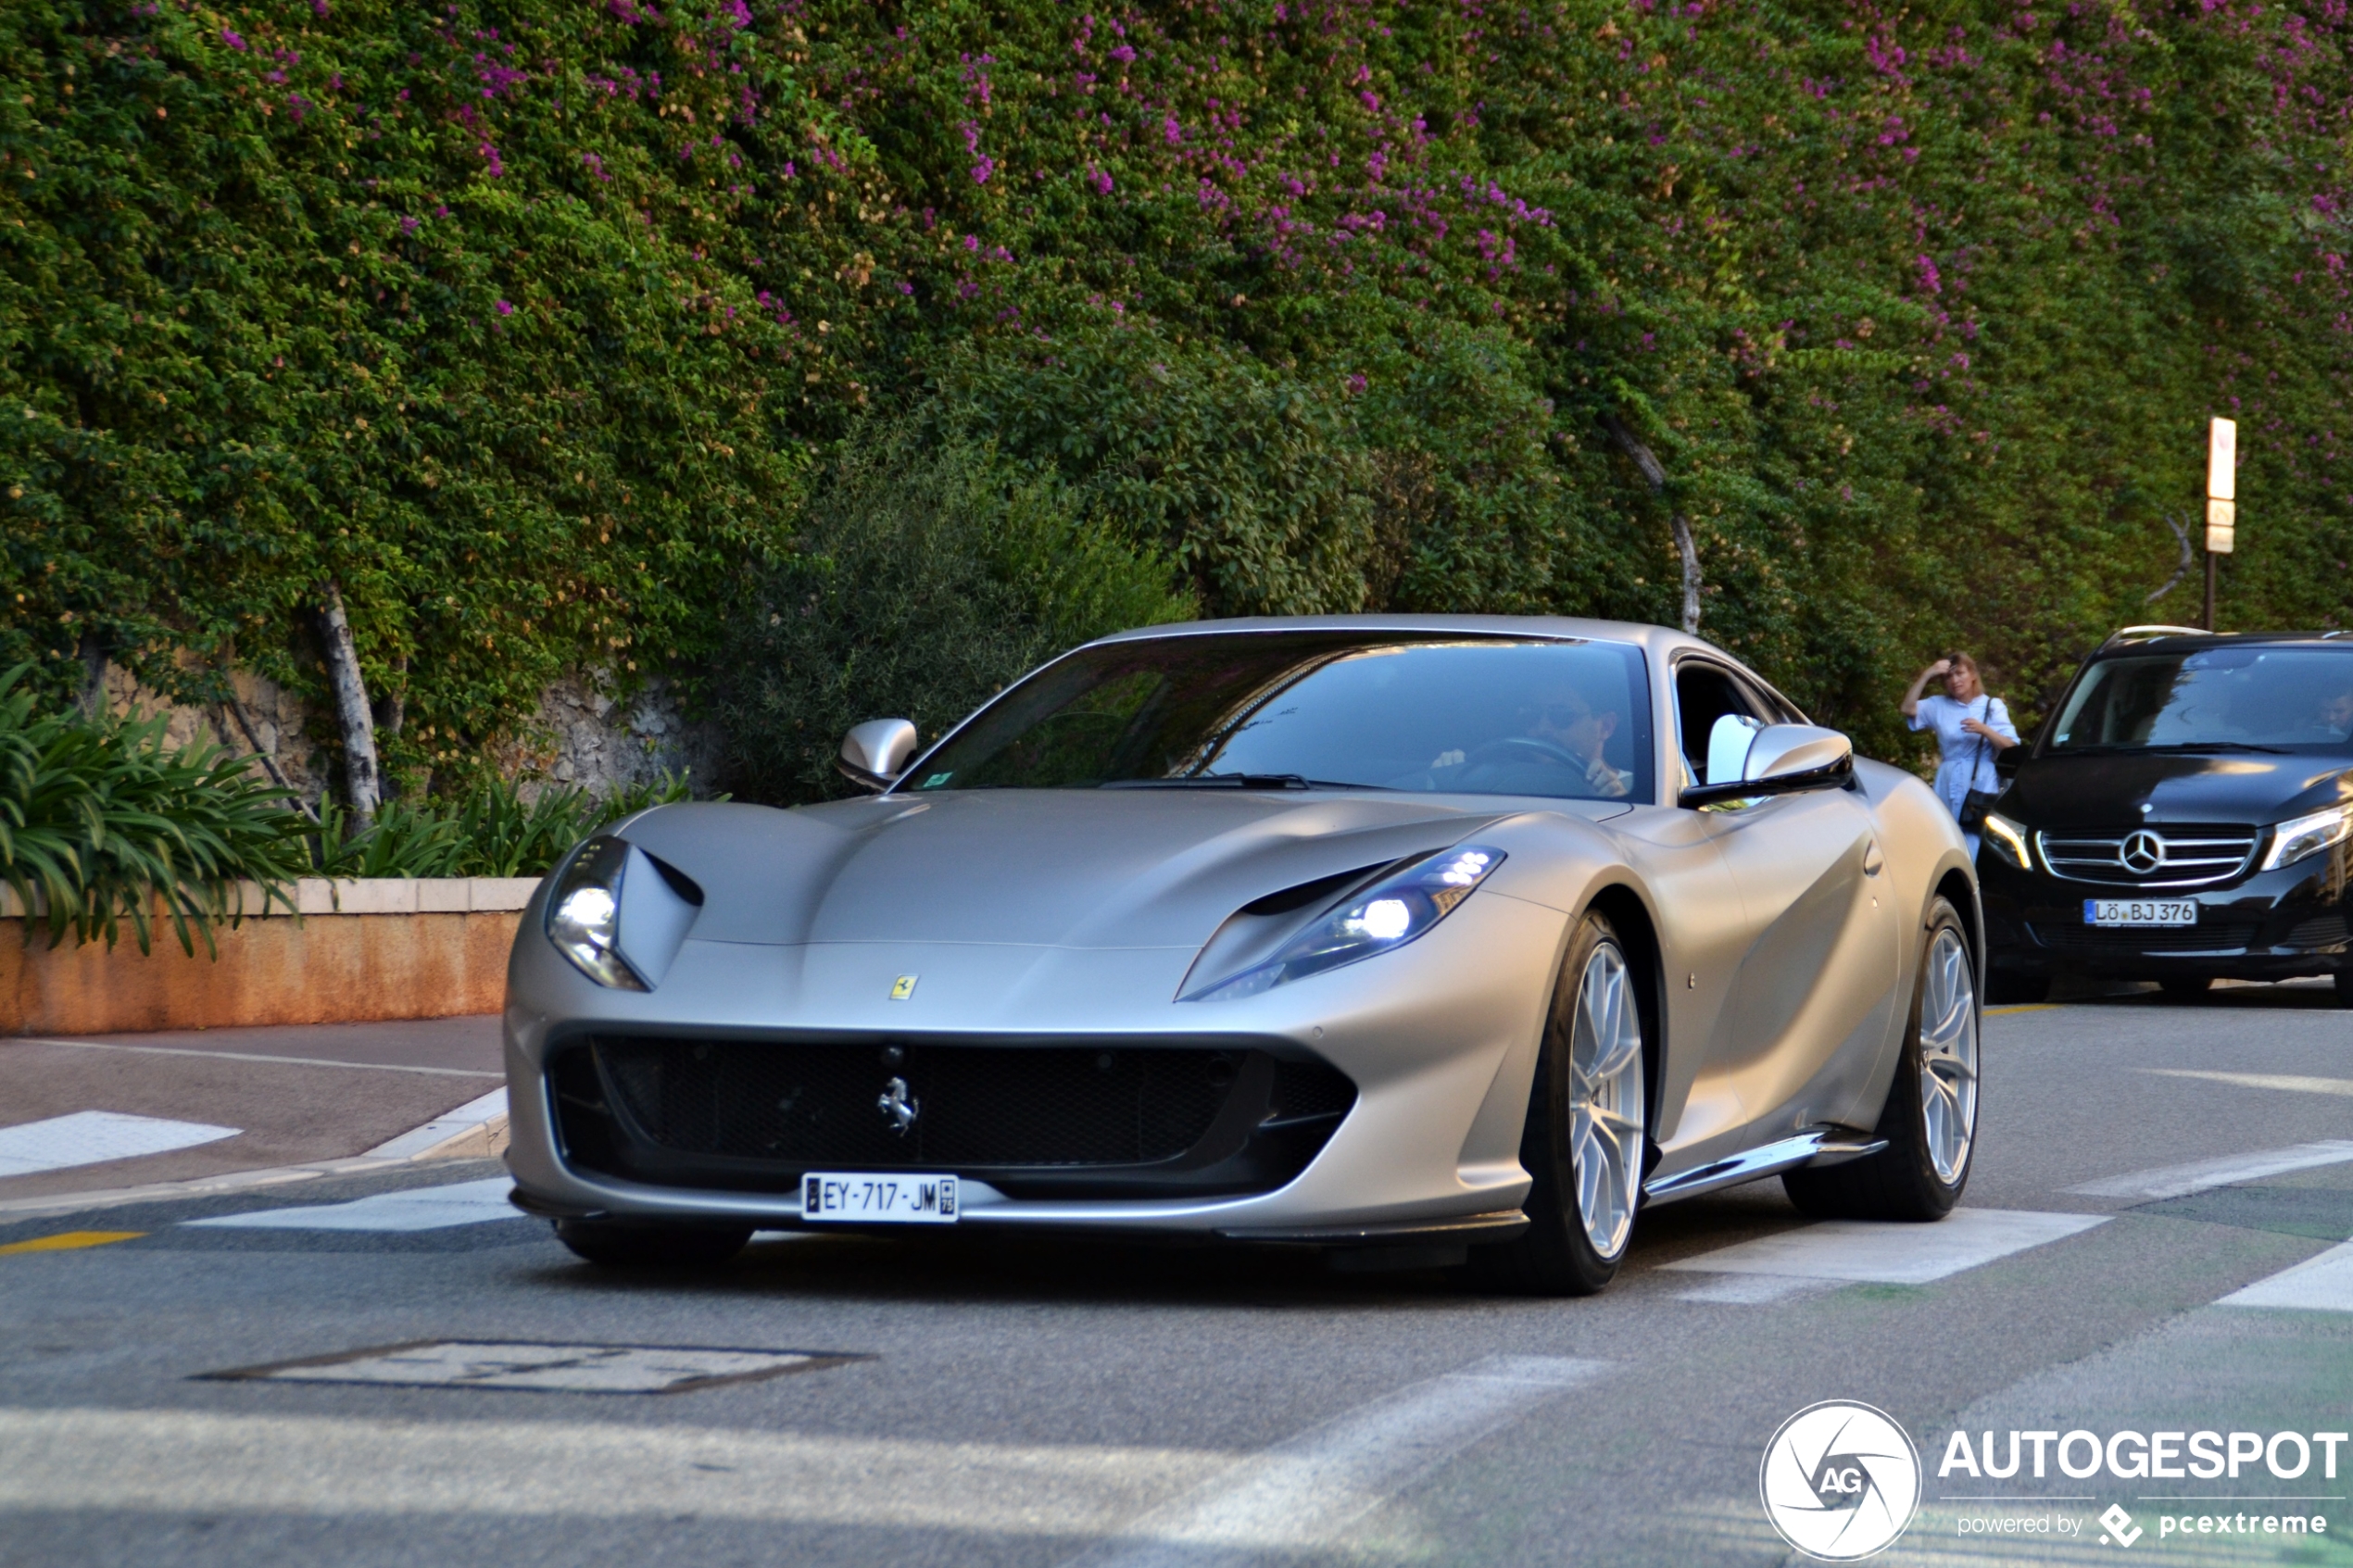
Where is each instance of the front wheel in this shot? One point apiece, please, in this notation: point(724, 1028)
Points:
point(1588, 1118)
point(1930, 1121)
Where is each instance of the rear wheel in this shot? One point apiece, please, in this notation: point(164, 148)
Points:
point(2184, 987)
point(624, 1245)
point(1588, 1119)
point(1930, 1121)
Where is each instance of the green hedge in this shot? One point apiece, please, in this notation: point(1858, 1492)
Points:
point(529, 323)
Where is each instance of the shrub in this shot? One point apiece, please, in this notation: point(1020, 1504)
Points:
point(928, 574)
point(100, 820)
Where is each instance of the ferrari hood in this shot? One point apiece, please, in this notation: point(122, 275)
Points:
point(1142, 868)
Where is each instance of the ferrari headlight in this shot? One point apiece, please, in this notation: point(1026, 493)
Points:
point(2007, 839)
point(1389, 914)
point(584, 913)
point(2299, 836)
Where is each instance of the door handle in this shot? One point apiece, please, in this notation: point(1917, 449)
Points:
point(1872, 862)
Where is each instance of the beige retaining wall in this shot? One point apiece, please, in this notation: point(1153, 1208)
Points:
point(359, 952)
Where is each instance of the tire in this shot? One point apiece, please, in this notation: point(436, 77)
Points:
point(1930, 1121)
point(620, 1245)
point(2013, 990)
point(2184, 987)
point(1588, 1130)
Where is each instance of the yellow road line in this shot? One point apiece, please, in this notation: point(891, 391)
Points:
point(66, 1241)
point(2024, 1007)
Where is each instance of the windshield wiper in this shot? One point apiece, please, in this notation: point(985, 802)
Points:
point(1236, 780)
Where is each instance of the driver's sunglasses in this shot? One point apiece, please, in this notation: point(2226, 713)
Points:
point(1562, 716)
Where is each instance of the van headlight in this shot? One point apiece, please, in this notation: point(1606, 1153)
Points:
point(1388, 915)
point(2299, 836)
point(2007, 839)
point(584, 913)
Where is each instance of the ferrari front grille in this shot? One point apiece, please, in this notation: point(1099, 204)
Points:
point(756, 1113)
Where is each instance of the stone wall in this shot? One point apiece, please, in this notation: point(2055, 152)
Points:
point(591, 739)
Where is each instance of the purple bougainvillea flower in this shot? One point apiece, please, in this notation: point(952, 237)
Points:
point(505, 309)
point(231, 39)
point(409, 225)
point(983, 170)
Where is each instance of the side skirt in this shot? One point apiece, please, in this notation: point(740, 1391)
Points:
point(1818, 1145)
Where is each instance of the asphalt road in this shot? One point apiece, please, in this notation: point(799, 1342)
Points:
point(973, 1405)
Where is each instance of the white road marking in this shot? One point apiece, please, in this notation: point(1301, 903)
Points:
point(1752, 1290)
point(2320, 1284)
point(578, 1369)
point(90, 1137)
point(417, 1208)
point(1869, 1251)
point(332, 1466)
point(442, 1128)
point(2293, 1083)
point(2179, 1180)
point(1302, 1492)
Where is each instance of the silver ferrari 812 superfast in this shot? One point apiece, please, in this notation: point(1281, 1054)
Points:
point(1427, 940)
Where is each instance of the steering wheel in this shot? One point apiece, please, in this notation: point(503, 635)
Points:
point(1528, 749)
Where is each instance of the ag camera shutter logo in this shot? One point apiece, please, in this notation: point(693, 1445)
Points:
point(1840, 1480)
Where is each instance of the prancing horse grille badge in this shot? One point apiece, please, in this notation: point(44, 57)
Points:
point(902, 1108)
point(902, 988)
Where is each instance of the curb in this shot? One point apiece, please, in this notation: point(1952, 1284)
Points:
point(473, 1131)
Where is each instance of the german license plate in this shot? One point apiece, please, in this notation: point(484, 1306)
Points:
point(877, 1200)
point(2140, 911)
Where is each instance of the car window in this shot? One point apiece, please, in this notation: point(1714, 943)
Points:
point(1444, 712)
point(1705, 692)
point(2247, 696)
point(1775, 709)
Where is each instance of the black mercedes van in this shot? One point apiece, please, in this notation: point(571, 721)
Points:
point(2181, 817)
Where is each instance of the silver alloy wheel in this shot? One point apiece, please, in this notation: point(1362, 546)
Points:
point(1605, 1108)
point(1948, 1055)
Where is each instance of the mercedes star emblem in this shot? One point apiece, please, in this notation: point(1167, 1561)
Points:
point(2144, 852)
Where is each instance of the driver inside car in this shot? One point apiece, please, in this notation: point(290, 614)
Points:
point(1559, 729)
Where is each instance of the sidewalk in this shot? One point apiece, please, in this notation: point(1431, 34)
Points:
point(215, 1102)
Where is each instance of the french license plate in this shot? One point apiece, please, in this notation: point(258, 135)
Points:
point(878, 1201)
point(2140, 911)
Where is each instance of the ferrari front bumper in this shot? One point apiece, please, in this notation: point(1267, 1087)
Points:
point(1438, 1041)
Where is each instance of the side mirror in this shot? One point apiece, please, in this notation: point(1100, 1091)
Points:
point(2006, 762)
point(876, 752)
point(1782, 760)
point(1787, 751)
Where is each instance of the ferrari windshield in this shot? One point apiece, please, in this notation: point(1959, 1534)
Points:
point(2245, 696)
point(1436, 712)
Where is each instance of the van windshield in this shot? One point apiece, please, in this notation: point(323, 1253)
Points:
point(2274, 698)
point(1348, 708)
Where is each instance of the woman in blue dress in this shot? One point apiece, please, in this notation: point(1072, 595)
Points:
point(1971, 730)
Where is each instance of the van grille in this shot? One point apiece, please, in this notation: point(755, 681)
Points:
point(2172, 856)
